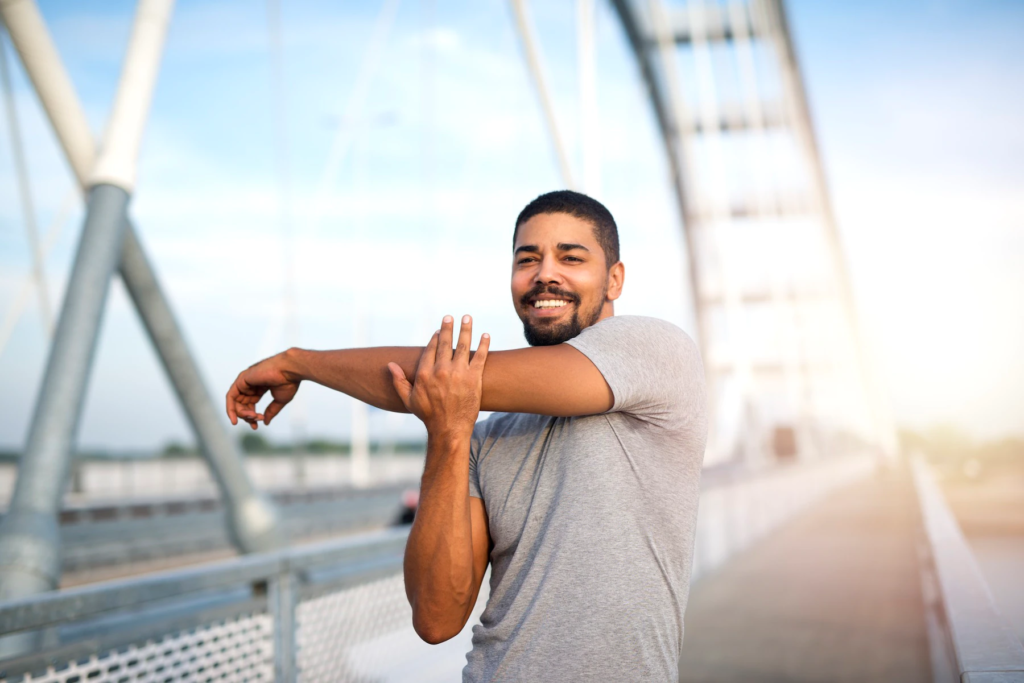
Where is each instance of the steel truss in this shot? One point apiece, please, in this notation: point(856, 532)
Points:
point(775, 315)
point(29, 538)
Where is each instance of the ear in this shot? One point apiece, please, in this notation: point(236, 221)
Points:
point(616, 277)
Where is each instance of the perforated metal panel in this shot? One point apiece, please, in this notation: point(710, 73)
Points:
point(238, 649)
point(332, 627)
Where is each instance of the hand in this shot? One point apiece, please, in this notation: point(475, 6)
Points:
point(252, 383)
point(447, 389)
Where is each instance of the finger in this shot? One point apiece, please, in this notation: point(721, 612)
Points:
point(480, 357)
point(401, 382)
point(245, 407)
point(272, 410)
point(429, 354)
point(230, 401)
point(444, 341)
point(465, 340)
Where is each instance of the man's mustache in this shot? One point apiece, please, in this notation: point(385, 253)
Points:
point(549, 289)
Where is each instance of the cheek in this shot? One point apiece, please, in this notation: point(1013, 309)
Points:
point(520, 286)
point(585, 283)
point(591, 290)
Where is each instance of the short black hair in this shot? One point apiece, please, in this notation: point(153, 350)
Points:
point(583, 207)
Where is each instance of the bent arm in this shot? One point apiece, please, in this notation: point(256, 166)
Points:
point(546, 380)
point(446, 556)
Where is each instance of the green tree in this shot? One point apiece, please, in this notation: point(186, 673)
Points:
point(254, 443)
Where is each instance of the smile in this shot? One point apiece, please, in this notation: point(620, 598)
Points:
point(549, 303)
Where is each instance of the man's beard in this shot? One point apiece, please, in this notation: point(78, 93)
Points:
point(561, 332)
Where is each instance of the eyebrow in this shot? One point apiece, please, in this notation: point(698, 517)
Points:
point(561, 246)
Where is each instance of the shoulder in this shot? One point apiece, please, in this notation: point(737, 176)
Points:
point(637, 333)
point(653, 368)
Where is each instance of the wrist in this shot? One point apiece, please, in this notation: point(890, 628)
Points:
point(294, 364)
point(450, 438)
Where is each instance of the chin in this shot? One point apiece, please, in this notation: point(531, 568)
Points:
point(551, 333)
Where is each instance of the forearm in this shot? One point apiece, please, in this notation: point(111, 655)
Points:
point(555, 381)
point(439, 575)
point(360, 373)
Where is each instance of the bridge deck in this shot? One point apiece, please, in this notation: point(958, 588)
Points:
point(834, 595)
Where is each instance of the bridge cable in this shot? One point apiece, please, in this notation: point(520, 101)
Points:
point(52, 234)
point(531, 51)
point(24, 190)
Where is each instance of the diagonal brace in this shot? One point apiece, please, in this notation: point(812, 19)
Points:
point(252, 519)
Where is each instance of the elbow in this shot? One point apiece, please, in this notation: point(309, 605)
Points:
point(433, 631)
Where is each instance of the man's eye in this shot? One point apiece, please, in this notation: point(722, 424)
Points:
point(525, 260)
point(574, 258)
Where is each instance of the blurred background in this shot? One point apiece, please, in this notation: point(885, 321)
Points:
point(330, 175)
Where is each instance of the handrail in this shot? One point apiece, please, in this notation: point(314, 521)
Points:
point(984, 645)
point(94, 600)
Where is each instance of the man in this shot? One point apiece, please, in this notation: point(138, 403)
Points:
point(581, 491)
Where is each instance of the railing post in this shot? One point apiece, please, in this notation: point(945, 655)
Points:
point(283, 597)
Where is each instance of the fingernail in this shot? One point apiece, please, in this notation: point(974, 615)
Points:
point(486, 336)
point(447, 319)
point(465, 320)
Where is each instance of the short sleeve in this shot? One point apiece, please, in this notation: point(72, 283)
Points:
point(653, 367)
point(475, 444)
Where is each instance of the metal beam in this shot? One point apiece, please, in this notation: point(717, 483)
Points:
point(670, 137)
point(29, 539)
point(533, 62)
point(252, 519)
point(792, 80)
point(586, 66)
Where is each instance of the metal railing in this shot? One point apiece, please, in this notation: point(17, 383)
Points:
point(333, 611)
point(738, 507)
point(241, 619)
point(94, 536)
point(970, 641)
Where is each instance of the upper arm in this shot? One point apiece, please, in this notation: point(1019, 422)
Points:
point(546, 380)
point(481, 546)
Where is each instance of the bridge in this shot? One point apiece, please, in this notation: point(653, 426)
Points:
point(823, 553)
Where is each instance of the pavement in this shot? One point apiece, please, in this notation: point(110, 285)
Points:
point(832, 595)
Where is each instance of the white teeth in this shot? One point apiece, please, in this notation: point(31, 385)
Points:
point(549, 303)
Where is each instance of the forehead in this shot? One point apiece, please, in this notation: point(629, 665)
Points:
point(549, 229)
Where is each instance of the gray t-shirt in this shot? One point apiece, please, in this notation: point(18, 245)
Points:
point(592, 518)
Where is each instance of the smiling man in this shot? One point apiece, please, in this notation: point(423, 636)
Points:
point(580, 491)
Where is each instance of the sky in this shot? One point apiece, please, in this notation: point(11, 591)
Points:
point(916, 105)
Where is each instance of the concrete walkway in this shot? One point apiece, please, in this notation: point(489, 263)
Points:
point(833, 595)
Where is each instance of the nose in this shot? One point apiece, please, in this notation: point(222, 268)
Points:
point(548, 272)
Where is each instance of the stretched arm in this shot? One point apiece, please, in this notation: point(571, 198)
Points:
point(446, 555)
point(546, 380)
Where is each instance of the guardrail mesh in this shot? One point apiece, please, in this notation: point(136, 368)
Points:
point(335, 629)
point(335, 639)
point(238, 649)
